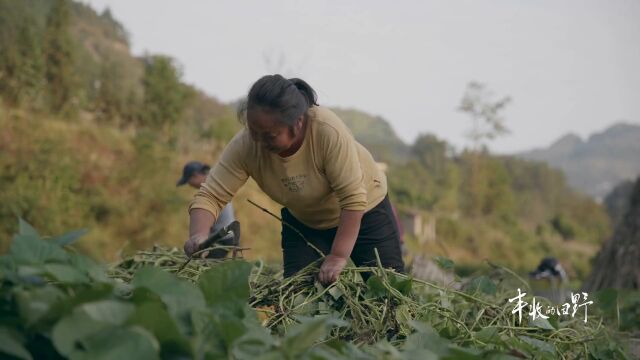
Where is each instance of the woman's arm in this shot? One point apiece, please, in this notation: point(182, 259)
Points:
point(200, 221)
point(223, 181)
point(342, 168)
point(343, 243)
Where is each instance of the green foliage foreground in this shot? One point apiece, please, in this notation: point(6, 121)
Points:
point(56, 303)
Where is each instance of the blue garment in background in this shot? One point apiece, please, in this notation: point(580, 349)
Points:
point(226, 217)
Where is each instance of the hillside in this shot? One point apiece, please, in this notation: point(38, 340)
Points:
point(595, 165)
point(100, 163)
point(98, 140)
point(376, 134)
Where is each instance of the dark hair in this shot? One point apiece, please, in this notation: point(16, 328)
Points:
point(205, 169)
point(288, 97)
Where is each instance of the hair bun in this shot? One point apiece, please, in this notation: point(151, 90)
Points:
point(306, 90)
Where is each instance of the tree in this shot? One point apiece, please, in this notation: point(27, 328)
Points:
point(59, 59)
point(487, 124)
point(110, 101)
point(486, 114)
point(616, 265)
point(21, 62)
point(431, 152)
point(165, 97)
point(116, 29)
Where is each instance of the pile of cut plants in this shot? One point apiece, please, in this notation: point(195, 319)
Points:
point(158, 304)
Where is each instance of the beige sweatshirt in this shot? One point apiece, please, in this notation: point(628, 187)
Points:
point(331, 171)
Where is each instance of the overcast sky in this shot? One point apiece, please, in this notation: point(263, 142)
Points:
point(570, 66)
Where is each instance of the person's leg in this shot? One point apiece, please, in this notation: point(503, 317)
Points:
point(378, 230)
point(296, 253)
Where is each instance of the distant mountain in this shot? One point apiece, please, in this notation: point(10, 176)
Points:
point(596, 165)
point(376, 134)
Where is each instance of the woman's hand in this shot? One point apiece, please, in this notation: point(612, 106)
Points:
point(200, 222)
point(331, 268)
point(192, 245)
point(342, 246)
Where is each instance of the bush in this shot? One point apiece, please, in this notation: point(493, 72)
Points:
point(564, 227)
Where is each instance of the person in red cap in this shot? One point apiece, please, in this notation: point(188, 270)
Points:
point(194, 174)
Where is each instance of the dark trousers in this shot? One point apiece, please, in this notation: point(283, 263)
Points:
point(378, 230)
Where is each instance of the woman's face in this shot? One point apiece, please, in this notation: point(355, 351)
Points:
point(265, 129)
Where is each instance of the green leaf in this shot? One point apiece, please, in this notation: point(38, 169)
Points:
point(120, 343)
point(541, 323)
point(154, 317)
point(68, 332)
point(482, 284)
point(142, 295)
point(227, 282)
point(403, 318)
point(629, 310)
point(87, 320)
point(554, 321)
point(303, 335)
point(607, 299)
point(24, 228)
point(11, 344)
point(538, 344)
point(97, 292)
point(348, 350)
point(30, 249)
point(459, 353)
point(28, 273)
point(384, 349)
point(443, 262)
point(68, 238)
point(445, 299)
point(426, 343)
point(66, 274)
point(33, 305)
point(502, 357)
point(376, 288)
point(425, 338)
point(488, 335)
point(303, 308)
point(321, 352)
point(422, 354)
point(253, 343)
point(96, 271)
point(230, 328)
point(108, 311)
point(29, 270)
point(180, 296)
point(403, 285)
point(335, 292)
point(207, 340)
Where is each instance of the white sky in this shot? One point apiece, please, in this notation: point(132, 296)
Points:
point(570, 66)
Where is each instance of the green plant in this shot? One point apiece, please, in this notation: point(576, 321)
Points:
point(57, 303)
point(564, 227)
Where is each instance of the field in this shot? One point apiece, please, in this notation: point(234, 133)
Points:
point(57, 303)
point(94, 135)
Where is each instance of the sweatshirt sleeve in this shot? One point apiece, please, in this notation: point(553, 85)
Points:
point(224, 179)
point(342, 168)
